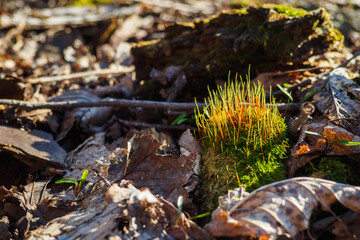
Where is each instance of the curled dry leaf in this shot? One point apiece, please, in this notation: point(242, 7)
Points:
point(281, 208)
point(89, 119)
point(339, 101)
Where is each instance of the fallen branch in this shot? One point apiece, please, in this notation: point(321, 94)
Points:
point(119, 70)
point(124, 103)
point(62, 16)
point(157, 126)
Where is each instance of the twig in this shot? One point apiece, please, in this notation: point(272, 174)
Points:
point(74, 16)
point(157, 126)
point(125, 103)
point(170, 4)
point(312, 80)
point(306, 110)
point(121, 69)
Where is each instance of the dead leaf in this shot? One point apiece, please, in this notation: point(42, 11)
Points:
point(340, 100)
point(271, 79)
point(88, 119)
point(14, 88)
point(310, 147)
point(166, 175)
point(281, 208)
point(91, 154)
point(124, 212)
point(33, 148)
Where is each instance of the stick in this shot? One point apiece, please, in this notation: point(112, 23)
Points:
point(121, 69)
point(125, 103)
point(312, 80)
point(157, 126)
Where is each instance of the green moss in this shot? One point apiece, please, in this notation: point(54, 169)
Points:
point(332, 168)
point(290, 11)
point(243, 144)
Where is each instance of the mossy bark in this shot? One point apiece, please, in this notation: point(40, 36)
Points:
point(267, 38)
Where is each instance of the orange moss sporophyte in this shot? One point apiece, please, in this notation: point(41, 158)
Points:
point(244, 139)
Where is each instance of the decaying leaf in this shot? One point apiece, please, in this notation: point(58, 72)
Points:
point(88, 119)
point(34, 148)
point(281, 208)
point(124, 212)
point(310, 146)
point(28, 206)
point(166, 175)
point(340, 100)
point(92, 154)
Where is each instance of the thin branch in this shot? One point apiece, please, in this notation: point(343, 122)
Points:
point(119, 70)
point(312, 80)
point(124, 103)
point(157, 126)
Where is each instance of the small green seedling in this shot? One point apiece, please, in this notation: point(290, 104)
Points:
point(77, 184)
point(285, 92)
point(180, 119)
point(180, 202)
point(312, 93)
point(200, 216)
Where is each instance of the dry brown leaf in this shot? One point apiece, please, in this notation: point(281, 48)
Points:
point(165, 174)
point(309, 146)
point(340, 100)
point(32, 147)
point(91, 154)
point(281, 208)
point(88, 119)
point(123, 212)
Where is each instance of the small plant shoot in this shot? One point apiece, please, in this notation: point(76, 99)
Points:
point(77, 184)
point(285, 92)
point(180, 119)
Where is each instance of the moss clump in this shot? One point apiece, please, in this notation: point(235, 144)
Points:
point(332, 168)
point(244, 140)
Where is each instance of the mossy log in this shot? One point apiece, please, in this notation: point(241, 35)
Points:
point(267, 38)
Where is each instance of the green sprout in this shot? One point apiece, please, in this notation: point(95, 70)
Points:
point(77, 184)
point(202, 215)
point(310, 94)
point(180, 119)
point(285, 92)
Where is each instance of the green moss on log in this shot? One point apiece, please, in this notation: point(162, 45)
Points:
point(266, 38)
